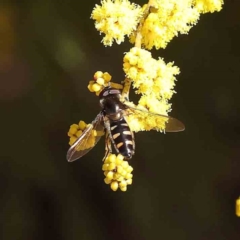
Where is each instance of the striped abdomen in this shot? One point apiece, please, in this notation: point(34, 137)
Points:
point(122, 138)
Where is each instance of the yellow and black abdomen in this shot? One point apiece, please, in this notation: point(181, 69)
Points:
point(122, 137)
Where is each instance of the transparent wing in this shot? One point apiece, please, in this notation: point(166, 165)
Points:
point(171, 124)
point(89, 138)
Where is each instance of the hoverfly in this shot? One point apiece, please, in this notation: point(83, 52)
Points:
point(111, 119)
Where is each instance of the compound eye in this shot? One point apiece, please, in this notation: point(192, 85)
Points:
point(105, 93)
point(114, 91)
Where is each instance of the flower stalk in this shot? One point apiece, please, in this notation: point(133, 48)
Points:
point(138, 41)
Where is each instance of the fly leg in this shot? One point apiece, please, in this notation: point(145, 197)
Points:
point(108, 147)
point(126, 88)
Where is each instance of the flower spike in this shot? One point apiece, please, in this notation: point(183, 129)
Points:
point(153, 25)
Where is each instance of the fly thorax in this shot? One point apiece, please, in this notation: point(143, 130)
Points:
point(111, 106)
point(116, 116)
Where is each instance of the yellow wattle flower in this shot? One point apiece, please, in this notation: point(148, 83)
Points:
point(205, 6)
point(238, 207)
point(76, 130)
point(167, 19)
point(116, 18)
point(145, 121)
point(102, 80)
point(139, 65)
point(118, 173)
point(155, 81)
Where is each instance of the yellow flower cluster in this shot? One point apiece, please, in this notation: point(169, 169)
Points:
point(116, 18)
point(166, 20)
point(205, 6)
point(238, 207)
point(118, 173)
point(150, 76)
point(100, 81)
point(155, 80)
point(139, 66)
point(76, 131)
point(145, 121)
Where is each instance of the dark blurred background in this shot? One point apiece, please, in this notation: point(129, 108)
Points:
point(185, 185)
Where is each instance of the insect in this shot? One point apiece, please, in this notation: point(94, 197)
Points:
point(112, 120)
